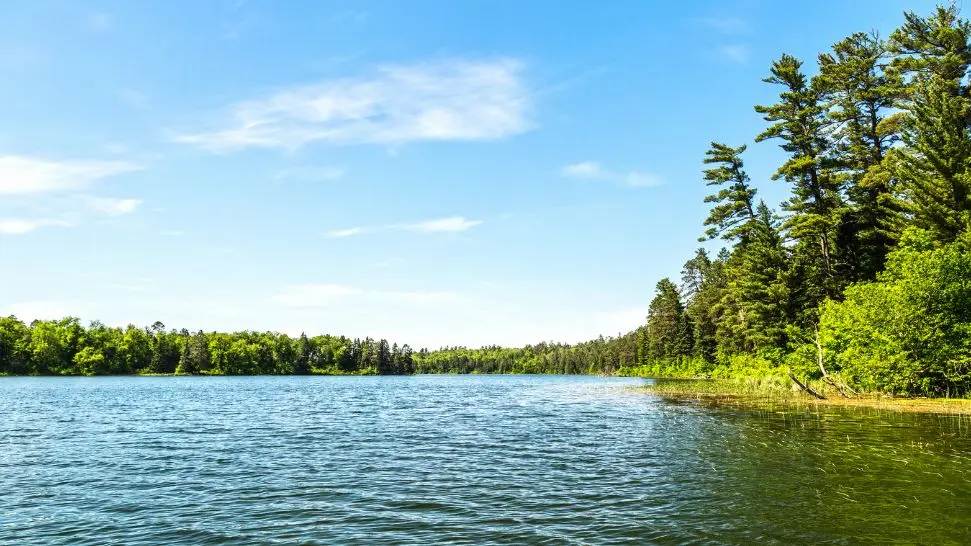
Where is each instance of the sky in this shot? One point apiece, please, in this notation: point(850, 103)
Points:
point(434, 172)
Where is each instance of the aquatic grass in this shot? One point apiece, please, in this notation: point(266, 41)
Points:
point(776, 390)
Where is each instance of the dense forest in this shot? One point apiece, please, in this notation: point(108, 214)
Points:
point(66, 347)
point(861, 278)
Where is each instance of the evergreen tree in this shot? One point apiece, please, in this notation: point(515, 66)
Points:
point(731, 216)
point(863, 93)
point(701, 286)
point(757, 290)
point(799, 119)
point(936, 52)
point(668, 327)
point(304, 355)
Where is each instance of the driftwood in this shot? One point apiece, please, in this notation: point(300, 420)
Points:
point(835, 381)
point(805, 387)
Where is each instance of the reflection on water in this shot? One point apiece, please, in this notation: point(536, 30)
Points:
point(473, 459)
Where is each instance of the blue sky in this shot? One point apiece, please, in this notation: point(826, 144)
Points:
point(433, 172)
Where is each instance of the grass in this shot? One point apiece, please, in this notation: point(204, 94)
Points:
point(780, 390)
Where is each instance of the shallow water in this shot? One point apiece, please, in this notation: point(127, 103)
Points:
point(461, 459)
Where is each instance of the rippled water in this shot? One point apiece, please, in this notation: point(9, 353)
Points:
point(460, 459)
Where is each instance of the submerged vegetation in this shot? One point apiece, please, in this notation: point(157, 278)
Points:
point(860, 281)
point(781, 394)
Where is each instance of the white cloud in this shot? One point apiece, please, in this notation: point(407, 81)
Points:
point(311, 174)
point(724, 25)
point(26, 175)
point(444, 225)
point(325, 295)
point(586, 169)
point(453, 224)
point(111, 206)
point(337, 233)
point(172, 232)
point(591, 170)
point(18, 226)
point(446, 100)
point(737, 53)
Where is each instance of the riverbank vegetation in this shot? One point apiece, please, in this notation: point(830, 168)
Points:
point(860, 280)
point(776, 394)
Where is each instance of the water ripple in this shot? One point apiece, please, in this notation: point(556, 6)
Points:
point(460, 460)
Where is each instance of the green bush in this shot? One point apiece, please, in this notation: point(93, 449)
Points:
point(909, 332)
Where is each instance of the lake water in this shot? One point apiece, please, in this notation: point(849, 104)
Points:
point(463, 460)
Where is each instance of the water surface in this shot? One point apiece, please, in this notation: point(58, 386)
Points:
point(462, 460)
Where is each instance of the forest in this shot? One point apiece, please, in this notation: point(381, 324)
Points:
point(66, 347)
point(861, 278)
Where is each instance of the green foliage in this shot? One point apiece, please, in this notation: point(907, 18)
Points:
point(669, 335)
point(879, 139)
point(731, 217)
point(66, 348)
point(910, 331)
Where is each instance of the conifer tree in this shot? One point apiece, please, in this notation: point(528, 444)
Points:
point(935, 52)
point(668, 327)
point(733, 212)
point(799, 119)
point(862, 93)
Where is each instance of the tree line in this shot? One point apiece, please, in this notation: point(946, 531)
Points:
point(863, 275)
point(66, 347)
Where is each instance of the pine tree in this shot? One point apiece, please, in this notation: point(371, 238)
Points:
point(733, 213)
point(799, 119)
point(862, 93)
point(668, 327)
point(702, 284)
point(934, 166)
point(757, 287)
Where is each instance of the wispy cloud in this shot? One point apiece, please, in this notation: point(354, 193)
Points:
point(311, 174)
point(27, 175)
point(452, 224)
point(172, 232)
point(724, 24)
point(40, 185)
point(591, 170)
point(738, 53)
point(18, 226)
point(445, 100)
point(324, 295)
point(725, 27)
point(109, 205)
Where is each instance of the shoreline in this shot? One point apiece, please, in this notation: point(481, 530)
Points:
point(762, 393)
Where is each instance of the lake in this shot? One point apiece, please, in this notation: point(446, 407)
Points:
point(464, 460)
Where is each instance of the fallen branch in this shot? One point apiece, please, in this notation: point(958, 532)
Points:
point(804, 386)
point(838, 382)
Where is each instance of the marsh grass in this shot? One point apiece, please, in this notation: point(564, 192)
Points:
point(774, 391)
